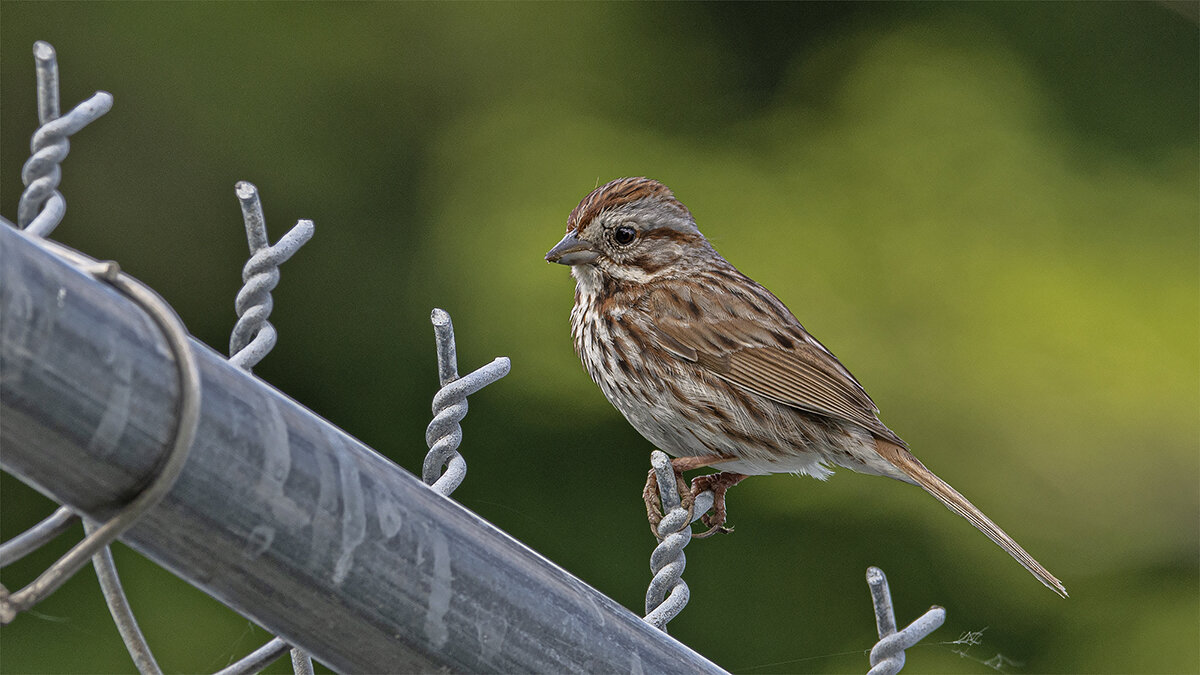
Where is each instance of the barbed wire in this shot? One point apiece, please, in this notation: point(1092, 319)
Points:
point(887, 656)
point(253, 337)
point(444, 433)
point(42, 206)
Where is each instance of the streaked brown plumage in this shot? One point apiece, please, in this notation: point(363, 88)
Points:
point(711, 367)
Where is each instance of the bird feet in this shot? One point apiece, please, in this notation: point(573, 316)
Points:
point(650, 494)
point(719, 483)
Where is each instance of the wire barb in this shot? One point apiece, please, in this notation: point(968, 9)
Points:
point(667, 562)
point(41, 207)
point(444, 434)
point(253, 336)
point(46, 67)
point(887, 657)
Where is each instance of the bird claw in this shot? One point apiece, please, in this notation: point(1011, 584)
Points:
point(719, 483)
point(715, 529)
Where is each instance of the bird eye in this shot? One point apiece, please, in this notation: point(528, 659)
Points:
point(624, 235)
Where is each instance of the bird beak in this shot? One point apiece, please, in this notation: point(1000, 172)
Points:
point(572, 251)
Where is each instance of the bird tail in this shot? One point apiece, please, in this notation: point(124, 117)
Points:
point(903, 459)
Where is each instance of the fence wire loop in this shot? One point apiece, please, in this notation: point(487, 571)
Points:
point(41, 207)
point(444, 434)
point(887, 657)
point(185, 432)
point(667, 562)
point(253, 336)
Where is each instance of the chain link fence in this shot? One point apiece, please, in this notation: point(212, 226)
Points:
point(110, 408)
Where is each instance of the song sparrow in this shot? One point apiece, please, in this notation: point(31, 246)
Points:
point(712, 368)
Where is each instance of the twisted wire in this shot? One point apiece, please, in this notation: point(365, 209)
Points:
point(253, 336)
point(252, 339)
point(668, 593)
point(41, 207)
point(444, 433)
point(887, 656)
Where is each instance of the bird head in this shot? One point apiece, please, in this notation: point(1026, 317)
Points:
point(630, 230)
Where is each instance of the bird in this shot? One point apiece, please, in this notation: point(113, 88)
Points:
point(712, 368)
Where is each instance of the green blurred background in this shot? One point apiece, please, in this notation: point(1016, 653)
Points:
point(990, 212)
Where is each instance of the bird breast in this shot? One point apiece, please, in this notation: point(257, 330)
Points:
point(684, 411)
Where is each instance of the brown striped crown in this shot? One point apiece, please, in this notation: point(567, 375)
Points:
point(618, 193)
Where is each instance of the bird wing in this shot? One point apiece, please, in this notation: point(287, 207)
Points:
point(750, 339)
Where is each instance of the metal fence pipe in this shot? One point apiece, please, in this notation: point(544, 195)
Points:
point(279, 514)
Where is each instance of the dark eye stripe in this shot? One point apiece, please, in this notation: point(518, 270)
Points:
point(672, 234)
